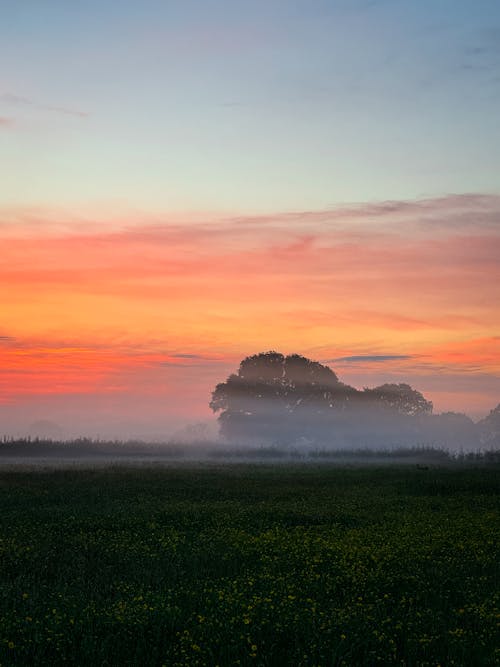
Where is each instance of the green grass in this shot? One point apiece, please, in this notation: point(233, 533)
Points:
point(250, 565)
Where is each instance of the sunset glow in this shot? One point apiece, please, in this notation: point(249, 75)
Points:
point(155, 310)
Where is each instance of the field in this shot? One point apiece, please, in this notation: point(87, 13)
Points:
point(250, 565)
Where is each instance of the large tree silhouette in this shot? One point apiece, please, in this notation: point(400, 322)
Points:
point(284, 398)
point(279, 397)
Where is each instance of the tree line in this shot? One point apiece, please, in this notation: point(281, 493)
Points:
point(282, 399)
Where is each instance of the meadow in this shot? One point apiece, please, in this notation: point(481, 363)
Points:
point(246, 564)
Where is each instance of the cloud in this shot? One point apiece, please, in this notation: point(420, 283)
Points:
point(6, 122)
point(188, 356)
point(65, 111)
point(200, 357)
point(483, 54)
point(20, 101)
point(395, 273)
point(190, 360)
point(15, 100)
point(389, 219)
point(373, 358)
point(419, 279)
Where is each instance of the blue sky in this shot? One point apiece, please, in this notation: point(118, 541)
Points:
point(262, 106)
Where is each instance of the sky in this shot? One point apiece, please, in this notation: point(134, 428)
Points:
point(183, 184)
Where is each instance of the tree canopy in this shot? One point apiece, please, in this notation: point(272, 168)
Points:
point(288, 397)
point(490, 428)
point(400, 398)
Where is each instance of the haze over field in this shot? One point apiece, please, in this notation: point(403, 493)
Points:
point(185, 184)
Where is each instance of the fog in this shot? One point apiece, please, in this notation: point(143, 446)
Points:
point(348, 427)
point(22, 422)
point(287, 403)
point(361, 438)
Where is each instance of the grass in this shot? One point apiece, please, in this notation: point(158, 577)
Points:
point(250, 565)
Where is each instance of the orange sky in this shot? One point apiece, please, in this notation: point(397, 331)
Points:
point(145, 315)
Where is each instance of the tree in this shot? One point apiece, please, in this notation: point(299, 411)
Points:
point(450, 429)
point(285, 398)
point(400, 399)
point(274, 396)
point(263, 367)
point(489, 428)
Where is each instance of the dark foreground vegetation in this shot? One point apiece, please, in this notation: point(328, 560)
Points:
point(250, 565)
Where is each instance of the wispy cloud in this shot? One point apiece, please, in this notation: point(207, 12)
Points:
point(198, 357)
point(372, 358)
point(20, 101)
point(483, 51)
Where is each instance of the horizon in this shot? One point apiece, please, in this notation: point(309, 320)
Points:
point(183, 431)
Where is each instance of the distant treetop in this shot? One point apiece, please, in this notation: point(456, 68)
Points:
point(401, 398)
